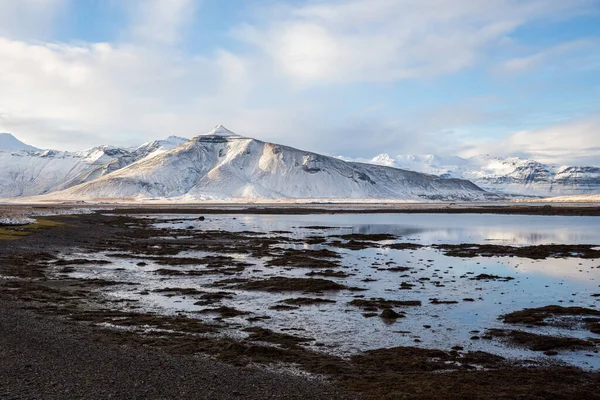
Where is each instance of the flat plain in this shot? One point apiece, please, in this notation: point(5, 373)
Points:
point(313, 301)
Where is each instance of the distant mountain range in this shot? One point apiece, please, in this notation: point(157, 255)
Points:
point(28, 171)
point(217, 165)
point(511, 175)
point(224, 165)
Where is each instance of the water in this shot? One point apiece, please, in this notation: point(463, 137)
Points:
point(342, 329)
point(424, 228)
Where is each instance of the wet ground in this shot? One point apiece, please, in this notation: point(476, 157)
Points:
point(375, 296)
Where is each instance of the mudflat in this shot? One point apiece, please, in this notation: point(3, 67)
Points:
point(63, 335)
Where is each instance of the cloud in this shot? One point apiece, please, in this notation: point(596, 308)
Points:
point(69, 96)
point(28, 18)
point(112, 91)
point(147, 85)
point(160, 21)
point(552, 57)
point(573, 142)
point(388, 40)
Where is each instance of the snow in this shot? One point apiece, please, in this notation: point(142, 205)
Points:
point(15, 221)
point(220, 130)
point(510, 175)
point(223, 165)
point(10, 143)
point(35, 173)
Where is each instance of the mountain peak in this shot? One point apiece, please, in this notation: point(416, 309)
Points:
point(383, 159)
point(9, 142)
point(220, 130)
point(174, 138)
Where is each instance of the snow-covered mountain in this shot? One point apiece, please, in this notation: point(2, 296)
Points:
point(10, 143)
point(27, 171)
point(503, 175)
point(224, 165)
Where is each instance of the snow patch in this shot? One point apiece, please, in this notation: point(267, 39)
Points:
point(220, 130)
point(16, 221)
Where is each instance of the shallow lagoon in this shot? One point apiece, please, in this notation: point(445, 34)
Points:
point(342, 329)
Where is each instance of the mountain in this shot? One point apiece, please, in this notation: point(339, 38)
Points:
point(503, 175)
point(27, 172)
point(224, 165)
point(10, 143)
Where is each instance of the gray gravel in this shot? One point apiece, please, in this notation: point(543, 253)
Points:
point(48, 358)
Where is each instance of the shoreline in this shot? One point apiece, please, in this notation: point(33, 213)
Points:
point(63, 306)
point(555, 209)
point(49, 351)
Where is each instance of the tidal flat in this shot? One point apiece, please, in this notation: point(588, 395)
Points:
point(423, 305)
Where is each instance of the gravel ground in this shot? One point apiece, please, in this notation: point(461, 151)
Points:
point(45, 358)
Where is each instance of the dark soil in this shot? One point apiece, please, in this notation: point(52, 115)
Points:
point(178, 291)
point(516, 209)
point(329, 273)
point(199, 272)
point(379, 303)
point(395, 269)
point(388, 313)
point(306, 259)
point(437, 301)
point(224, 312)
point(282, 284)
point(283, 339)
point(367, 237)
point(487, 277)
point(213, 297)
point(570, 317)
point(404, 246)
point(533, 252)
point(307, 301)
point(80, 261)
point(354, 244)
point(538, 315)
point(540, 342)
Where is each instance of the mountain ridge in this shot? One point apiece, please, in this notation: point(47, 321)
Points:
point(224, 165)
point(26, 172)
point(8, 142)
point(509, 175)
point(31, 173)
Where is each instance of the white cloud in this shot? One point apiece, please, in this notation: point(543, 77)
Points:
point(550, 57)
point(28, 18)
point(572, 142)
point(386, 40)
point(160, 21)
point(117, 92)
point(75, 95)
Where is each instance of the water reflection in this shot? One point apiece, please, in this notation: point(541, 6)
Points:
point(519, 230)
point(344, 330)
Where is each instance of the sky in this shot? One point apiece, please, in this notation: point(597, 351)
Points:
point(340, 77)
